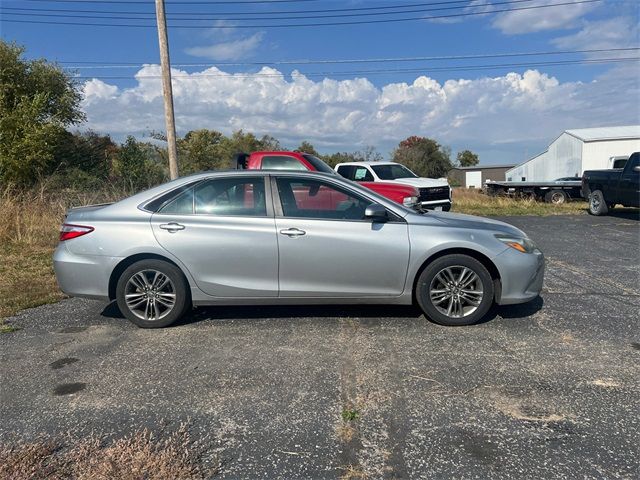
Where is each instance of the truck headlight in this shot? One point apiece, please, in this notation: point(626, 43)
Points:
point(410, 201)
point(522, 244)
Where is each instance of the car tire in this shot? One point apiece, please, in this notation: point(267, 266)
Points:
point(446, 208)
point(557, 197)
point(430, 290)
point(153, 293)
point(597, 204)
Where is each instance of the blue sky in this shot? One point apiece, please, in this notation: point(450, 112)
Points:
point(504, 114)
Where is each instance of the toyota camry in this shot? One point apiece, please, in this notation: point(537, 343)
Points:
point(277, 237)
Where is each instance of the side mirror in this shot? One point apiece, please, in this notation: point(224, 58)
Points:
point(636, 168)
point(376, 213)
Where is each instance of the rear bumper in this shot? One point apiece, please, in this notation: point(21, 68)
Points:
point(522, 276)
point(83, 275)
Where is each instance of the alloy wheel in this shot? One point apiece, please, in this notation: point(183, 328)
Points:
point(456, 291)
point(150, 295)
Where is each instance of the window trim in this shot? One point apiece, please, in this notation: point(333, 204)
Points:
point(279, 212)
point(269, 213)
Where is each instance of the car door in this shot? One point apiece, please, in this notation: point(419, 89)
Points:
point(223, 231)
point(327, 248)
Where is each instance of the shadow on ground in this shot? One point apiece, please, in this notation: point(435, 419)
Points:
point(252, 312)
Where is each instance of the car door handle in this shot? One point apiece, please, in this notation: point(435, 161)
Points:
point(293, 232)
point(172, 227)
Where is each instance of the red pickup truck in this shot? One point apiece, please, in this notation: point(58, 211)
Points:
point(403, 194)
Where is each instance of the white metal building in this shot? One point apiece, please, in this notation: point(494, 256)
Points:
point(575, 151)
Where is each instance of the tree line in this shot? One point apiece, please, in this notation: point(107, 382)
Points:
point(40, 103)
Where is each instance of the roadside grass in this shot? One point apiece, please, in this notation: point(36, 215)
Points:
point(474, 202)
point(28, 235)
point(139, 455)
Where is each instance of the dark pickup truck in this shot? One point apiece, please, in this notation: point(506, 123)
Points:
point(608, 188)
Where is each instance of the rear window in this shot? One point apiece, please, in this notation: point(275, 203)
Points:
point(281, 162)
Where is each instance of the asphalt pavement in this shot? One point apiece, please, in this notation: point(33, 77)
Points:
point(548, 389)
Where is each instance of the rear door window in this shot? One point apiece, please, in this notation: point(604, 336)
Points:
point(233, 196)
point(346, 171)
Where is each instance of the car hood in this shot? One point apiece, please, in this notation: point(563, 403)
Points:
point(421, 182)
point(459, 220)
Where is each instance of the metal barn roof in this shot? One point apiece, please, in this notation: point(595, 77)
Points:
point(605, 133)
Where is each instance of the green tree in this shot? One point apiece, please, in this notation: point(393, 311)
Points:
point(424, 156)
point(201, 150)
point(306, 147)
point(134, 166)
point(466, 158)
point(37, 101)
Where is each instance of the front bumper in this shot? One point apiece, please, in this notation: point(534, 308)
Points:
point(438, 204)
point(521, 274)
point(83, 275)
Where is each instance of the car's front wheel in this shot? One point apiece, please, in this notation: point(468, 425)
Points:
point(153, 293)
point(455, 290)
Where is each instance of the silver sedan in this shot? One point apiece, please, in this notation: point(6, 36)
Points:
point(260, 237)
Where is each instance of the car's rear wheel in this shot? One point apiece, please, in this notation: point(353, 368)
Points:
point(153, 293)
point(455, 290)
point(557, 197)
point(597, 204)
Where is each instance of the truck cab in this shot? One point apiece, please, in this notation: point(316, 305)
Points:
point(433, 193)
point(406, 195)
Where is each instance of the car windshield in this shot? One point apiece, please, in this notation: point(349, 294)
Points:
point(318, 164)
point(393, 171)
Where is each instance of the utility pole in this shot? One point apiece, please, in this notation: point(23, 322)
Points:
point(167, 91)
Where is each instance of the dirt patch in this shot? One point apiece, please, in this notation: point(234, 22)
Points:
point(526, 409)
point(140, 455)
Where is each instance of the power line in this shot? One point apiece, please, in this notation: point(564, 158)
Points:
point(96, 65)
point(272, 12)
point(109, 16)
point(289, 25)
point(203, 17)
point(381, 71)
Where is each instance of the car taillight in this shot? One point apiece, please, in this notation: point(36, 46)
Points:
point(69, 231)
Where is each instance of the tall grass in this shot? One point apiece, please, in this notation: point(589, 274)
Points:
point(29, 232)
point(477, 203)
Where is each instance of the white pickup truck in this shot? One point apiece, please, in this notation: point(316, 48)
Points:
point(435, 193)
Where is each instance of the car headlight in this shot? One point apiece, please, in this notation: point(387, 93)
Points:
point(409, 201)
point(522, 244)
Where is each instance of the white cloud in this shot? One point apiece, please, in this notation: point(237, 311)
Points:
point(617, 32)
point(513, 109)
point(538, 19)
point(228, 50)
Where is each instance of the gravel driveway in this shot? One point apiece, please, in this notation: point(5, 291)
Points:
point(546, 389)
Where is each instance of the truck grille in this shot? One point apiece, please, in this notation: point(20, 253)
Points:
point(434, 193)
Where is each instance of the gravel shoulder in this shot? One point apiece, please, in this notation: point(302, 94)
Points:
point(546, 389)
